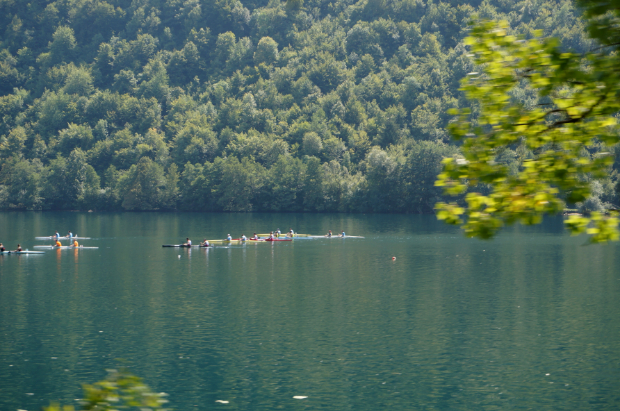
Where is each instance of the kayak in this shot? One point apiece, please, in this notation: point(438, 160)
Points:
point(285, 235)
point(22, 252)
point(336, 236)
point(53, 237)
point(186, 246)
point(65, 247)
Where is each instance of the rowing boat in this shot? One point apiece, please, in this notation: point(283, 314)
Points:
point(65, 247)
point(22, 252)
point(186, 246)
point(53, 237)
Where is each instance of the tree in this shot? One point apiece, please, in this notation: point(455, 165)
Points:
point(312, 144)
point(64, 181)
point(20, 186)
point(62, 47)
point(578, 101)
point(266, 51)
point(143, 187)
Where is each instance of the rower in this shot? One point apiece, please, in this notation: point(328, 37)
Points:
point(19, 248)
point(271, 235)
point(291, 233)
point(243, 237)
point(57, 235)
point(228, 237)
point(278, 233)
point(205, 243)
point(342, 234)
point(75, 243)
point(255, 237)
point(58, 243)
point(329, 233)
point(1, 248)
point(69, 235)
point(188, 242)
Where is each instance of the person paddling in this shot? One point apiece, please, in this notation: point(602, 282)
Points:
point(243, 237)
point(228, 238)
point(291, 233)
point(329, 233)
point(188, 242)
point(205, 243)
point(2, 249)
point(342, 234)
point(75, 243)
point(58, 244)
point(57, 235)
point(69, 235)
point(19, 248)
point(255, 237)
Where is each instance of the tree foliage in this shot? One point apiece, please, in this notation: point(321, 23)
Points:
point(579, 97)
point(119, 390)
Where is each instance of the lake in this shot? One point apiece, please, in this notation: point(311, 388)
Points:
point(530, 320)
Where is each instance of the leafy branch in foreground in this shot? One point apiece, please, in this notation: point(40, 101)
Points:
point(581, 95)
point(119, 390)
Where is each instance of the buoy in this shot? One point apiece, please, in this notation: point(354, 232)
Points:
point(393, 258)
point(179, 255)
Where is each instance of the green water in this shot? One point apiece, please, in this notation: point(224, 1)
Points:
point(528, 321)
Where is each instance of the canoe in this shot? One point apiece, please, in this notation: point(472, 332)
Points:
point(62, 238)
point(186, 246)
point(65, 247)
point(22, 252)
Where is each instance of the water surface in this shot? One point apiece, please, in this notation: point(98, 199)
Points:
point(529, 320)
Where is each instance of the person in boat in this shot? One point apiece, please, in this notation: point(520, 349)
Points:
point(58, 244)
point(69, 235)
point(271, 235)
point(75, 243)
point(342, 234)
point(290, 233)
point(278, 233)
point(188, 242)
point(19, 248)
point(254, 237)
point(205, 243)
point(243, 237)
point(329, 233)
point(56, 236)
point(2, 249)
point(228, 238)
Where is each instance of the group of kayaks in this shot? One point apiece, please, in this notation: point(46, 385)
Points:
point(272, 237)
point(56, 246)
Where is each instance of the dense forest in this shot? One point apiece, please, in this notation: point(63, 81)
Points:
point(219, 105)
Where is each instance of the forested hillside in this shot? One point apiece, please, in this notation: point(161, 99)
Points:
point(257, 106)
